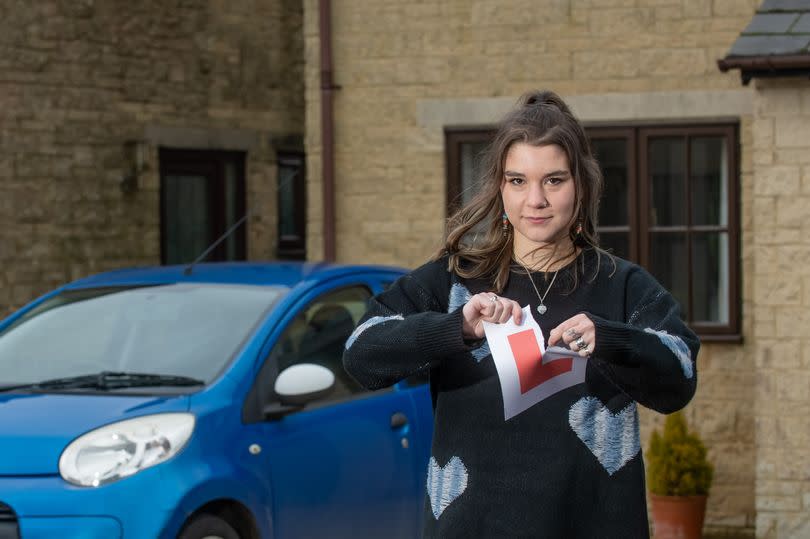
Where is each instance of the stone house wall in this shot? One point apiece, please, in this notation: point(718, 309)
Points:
point(406, 70)
point(781, 296)
point(80, 81)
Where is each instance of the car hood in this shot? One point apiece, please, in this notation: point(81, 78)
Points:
point(36, 428)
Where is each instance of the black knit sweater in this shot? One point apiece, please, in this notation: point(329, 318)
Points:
point(569, 466)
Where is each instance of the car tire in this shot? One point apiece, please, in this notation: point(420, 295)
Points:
point(207, 526)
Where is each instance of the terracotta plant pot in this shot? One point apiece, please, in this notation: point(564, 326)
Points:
point(677, 517)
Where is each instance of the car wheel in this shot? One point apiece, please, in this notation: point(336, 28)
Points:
point(206, 526)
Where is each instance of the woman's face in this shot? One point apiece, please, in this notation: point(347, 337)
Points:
point(539, 195)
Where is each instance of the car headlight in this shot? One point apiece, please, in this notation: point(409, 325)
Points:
point(121, 449)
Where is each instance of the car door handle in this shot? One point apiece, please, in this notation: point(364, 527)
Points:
point(398, 420)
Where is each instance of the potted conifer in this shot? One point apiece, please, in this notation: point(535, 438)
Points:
point(678, 476)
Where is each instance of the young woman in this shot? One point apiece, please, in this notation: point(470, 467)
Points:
point(569, 466)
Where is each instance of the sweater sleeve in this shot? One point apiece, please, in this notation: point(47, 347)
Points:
point(404, 331)
point(651, 356)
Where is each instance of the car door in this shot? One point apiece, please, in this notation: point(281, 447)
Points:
point(343, 466)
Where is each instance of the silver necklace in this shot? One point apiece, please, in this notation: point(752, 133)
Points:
point(541, 309)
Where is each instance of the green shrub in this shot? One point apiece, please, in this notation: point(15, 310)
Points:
point(676, 461)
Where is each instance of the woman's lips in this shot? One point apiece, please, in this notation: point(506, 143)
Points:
point(538, 220)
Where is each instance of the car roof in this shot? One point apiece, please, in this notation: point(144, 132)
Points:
point(254, 273)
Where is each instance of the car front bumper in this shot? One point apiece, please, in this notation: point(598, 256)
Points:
point(46, 507)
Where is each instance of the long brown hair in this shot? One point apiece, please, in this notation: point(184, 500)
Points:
point(540, 118)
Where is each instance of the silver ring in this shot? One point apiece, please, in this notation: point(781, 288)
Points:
point(581, 344)
point(493, 298)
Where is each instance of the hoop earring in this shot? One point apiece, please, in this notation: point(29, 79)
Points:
point(505, 226)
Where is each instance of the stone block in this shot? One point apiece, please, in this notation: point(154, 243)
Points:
point(762, 130)
point(768, 503)
point(764, 212)
point(507, 14)
point(795, 434)
point(766, 525)
point(792, 211)
point(777, 236)
point(792, 131)
point(732, 8)
point(764, 329)
point(546, 67)
point(805, 181)
point(779, 102)
point(770, 356)
point(795, 524)
point(717, 423)
point(697, 8)
point(762, 157)
point(673, 62)
point(605, 64)
point(776, 180)
point(778, 290)
point(779, 488)
point(792, 156)
point(620, 21)
point(793, 387)
point(668, 12)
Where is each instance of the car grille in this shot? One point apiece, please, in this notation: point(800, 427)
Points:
point(8, 523)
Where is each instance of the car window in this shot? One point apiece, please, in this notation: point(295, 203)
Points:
point(319, 333)
point(184, 329)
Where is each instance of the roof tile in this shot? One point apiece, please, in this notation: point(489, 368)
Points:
point(770, 23)
point(784, 5)
point(772, 44)
point(803, 26)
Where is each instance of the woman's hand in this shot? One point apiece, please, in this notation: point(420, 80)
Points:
point(490, 307)
point(578, 333)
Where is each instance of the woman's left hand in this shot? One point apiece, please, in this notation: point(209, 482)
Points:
point(577, 333)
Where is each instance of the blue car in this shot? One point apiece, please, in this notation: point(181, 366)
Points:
point(205, 402)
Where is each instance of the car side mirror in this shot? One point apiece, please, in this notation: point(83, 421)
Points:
point(299, 385)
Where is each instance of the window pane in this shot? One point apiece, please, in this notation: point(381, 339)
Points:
point(710, 281)
point(231, 204)
point(667, 160)
point(668, 263)
point(287, 176)
point(470, 168)
point(188, 219)
point(318, 335)
point(612, 157)
point(616, 243)
point(709, 180)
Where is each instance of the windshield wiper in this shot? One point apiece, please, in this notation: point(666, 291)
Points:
point(107, 380)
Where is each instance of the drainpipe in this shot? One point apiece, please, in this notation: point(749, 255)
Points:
point(327, 130)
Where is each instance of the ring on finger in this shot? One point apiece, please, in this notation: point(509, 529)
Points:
point(493, 298)
point(581, 344)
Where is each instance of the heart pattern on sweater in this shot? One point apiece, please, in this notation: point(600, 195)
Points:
point(445, 483)
point(459, 295)
point(612, 438)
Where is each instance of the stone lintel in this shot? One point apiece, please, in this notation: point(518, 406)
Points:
point(646, 107)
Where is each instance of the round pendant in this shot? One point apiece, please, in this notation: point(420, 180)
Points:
point(541, 309)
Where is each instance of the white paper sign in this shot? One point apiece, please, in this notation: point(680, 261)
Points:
point(528, 372)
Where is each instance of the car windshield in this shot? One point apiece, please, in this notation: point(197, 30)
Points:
point(188, 330)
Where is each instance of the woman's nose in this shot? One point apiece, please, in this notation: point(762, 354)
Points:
point(537, 196)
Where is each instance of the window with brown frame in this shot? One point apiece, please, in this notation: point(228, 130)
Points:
point(670, 204)
point(202, 194)
point(292, 206)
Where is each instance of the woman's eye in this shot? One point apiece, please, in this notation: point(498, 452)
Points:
point(554, 181)
point(515, 181)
